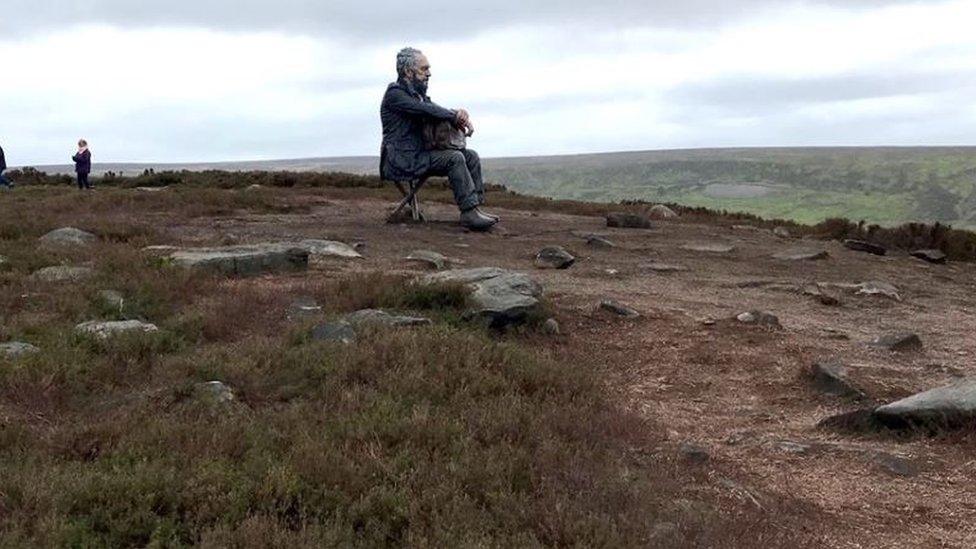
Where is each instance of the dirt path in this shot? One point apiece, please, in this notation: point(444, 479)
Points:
point(735, 390)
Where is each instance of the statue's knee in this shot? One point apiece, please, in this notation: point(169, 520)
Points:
point(472, 155)
point(457, 158)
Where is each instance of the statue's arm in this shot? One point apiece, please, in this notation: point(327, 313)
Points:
point(400, 100)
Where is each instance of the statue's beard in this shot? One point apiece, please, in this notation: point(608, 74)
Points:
point(419, 85)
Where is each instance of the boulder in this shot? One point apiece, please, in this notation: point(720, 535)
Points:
point(831, 378)
point(335, 332)
point(62, 273)
point(711, 248)
point(661, 211)
point(244, 260)
point(106, 329)
point(759, 318)
point(328, 248)
point(69, 236)
point(931, 256)
point(863, 246)
point(502, 297)
point(947, 406)
point(433, 260)
point(618, 309)
point(898, 342)
point(374, 317)
point(554, 257)
point(16, 349)
point(626, 220)
point(802, 255)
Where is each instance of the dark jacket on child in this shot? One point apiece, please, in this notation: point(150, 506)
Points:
point(82, 162)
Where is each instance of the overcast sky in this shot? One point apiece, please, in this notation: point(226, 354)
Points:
point(209, 80)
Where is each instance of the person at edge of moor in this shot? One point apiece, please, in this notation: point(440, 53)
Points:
point(82, 160)
point(405, 112)
point(3, 166)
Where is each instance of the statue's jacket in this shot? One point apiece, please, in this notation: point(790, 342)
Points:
point(404, 112)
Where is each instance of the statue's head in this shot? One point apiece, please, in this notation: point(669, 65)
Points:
point(413, 67)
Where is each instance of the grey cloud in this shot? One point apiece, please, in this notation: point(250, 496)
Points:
point(386, 20)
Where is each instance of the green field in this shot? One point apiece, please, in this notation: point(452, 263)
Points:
point(887, 186)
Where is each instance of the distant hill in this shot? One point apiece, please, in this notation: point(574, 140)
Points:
point(886, 185)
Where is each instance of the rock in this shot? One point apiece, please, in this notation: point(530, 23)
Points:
point(105, 329)
point(17, 349)
point(791, 447)
point(303, 308)
point(151, 189)
point(898, 342)
point(932, 256)
point(823, 295)
point(554, 257)
point(216, 392)
point(693, 452)
point(862, 246)
point(662, 267)
point(374, 317)
point(502, 297)
point(759, 318)
point(62, 273)
point(432, 259)
point(709, 248)
point(69, 236)
point(597, 241)
point(328, 248)
point(111, 299)
point(831, 378)
point(661, 211)
point(244, 260)
point(618, 309)
point(949, 406)
point(782, 232)
point(336, 332)
point(895, 465)
point(878, 288)
point(625, 220)
point(551, 327)
point(802, 255)
point(254, 187)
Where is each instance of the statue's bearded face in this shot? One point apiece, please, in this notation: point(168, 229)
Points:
point(420, 74)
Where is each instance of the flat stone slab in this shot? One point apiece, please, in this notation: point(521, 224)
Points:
point(375, 317)
point(106, 329)
point(898, 342)
point(151, 189)
point(62, 273)
point(503, 297)
point(69, 236)
point(554, 257)
point(244, 260)
point(710, 248)
point(946, 406)
point(430, 258)
point(932, 256)
point(662, 267)
point(328, 248)
point(619, 309)
point(597, 241)
point(625, 220)
point(867, 247)
point(17, 349)
point(802, 255)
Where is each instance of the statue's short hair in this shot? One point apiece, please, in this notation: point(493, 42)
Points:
point(407, 59)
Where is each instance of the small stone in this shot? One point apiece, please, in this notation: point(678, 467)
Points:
point(790, 447)
point(824, 296)
point(618, 309)
point(626, 220)
point(336, 332)
point(554, 257)
point(597, 241)
point(931, 256)
point(375, 317)
point(112, 299)
point(303, 308)
point(329, 248)
point(151, 189)
point(759, 318)
point(69, 235)
point(898, 342)
point(216, 392)
point(802, 255)
point(782, 232)
point(831, 378)
point(17, 349)
point(551, 327)
point(895, 465)
point(254, 187)
point(878, 288)
point(62, 273)
point(693, 452)
point(709, 248)
point(432, 259)
point(862, 246)
point(107, 329)
point(661, 211)
point(662, 267)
